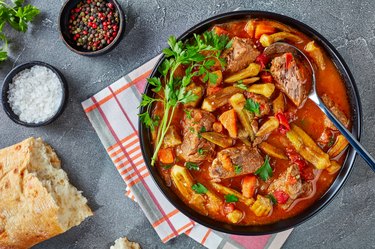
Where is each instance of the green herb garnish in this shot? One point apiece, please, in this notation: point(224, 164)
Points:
point(252, 106)
point(192, 166)
point(237, 169)
point(191, 129)
point(18, 17)
point(199, 188)
point(241, 86)
point(188, 113)
point(203, 129)
point(230, 198)
point(201, 151)
point(265, 171)
point(168, 166)
point(272, 198)
point(189, 54)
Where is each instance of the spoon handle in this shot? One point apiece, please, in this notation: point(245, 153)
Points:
point(349, 136)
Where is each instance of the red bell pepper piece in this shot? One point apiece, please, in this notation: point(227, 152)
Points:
point(262, 59)
point(283, 121)
point(288, 60)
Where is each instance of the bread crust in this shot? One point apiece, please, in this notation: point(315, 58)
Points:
point(28, 212)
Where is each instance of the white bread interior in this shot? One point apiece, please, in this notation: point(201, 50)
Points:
point(124, 243)
point(38, 202)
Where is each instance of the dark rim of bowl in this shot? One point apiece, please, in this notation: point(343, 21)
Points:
point(63, 29)
point(8, 79)
point(342, 175)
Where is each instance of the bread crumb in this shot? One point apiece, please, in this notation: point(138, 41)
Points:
point(124, 243)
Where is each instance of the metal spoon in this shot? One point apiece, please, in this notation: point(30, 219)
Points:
point(282, 47)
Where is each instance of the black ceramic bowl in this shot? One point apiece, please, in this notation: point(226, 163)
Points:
point(68, 38)
point(8, 79)
point(342, 176)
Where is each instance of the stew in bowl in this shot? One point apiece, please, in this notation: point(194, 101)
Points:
point(233, 134)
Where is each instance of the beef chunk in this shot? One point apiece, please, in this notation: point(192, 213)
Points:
point(336, 111)
point(192, 142)
point(240, 54)
point(290, 77)
point(290, 183)
point(245, 157)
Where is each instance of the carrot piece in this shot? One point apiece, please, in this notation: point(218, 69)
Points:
point(262, 28)
point(166, 155)
point(220, 31)
point(229, 121)
point(249, 185)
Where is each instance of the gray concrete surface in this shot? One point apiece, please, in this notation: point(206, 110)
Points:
point(348, 222)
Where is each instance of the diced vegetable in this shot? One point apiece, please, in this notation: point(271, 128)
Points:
point(220, 31)
point(219, 78)
point(235, 216)
point(214, 101)
point(283, 121)
point(217, 127)
point(340, 144)
point(238, 102)
point(165, 155)
point(270, 125)
point(280, 196)
point(265, 89)
point(316, 53)
point(307, 148)
point(262, 206)
point(196, 90)
point(334, 167)
point(279, 104)
point(249, 186)
point(266, 77)
point(228, 191)
point(251, 71)
point(218, 139)
point(184, 183)
point(263, 28)
point(172, 138)
point(267, 40)
point(249, 81)
point(272, 150)
point(250, 28)
point(214, 203)
point(229, 121)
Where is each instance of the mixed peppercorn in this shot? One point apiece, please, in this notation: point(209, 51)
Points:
point(94, 24)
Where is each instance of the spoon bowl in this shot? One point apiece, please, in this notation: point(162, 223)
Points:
point(282, 47)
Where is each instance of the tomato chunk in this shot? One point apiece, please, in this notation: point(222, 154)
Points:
point(280, 196)
point(262, 60)
point(229, 208)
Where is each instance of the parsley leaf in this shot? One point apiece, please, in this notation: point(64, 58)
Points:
point(192, 166)
point(265, 171)
point(156, 83)
point(147, 100)
point(230, 198)
point(188, 113)
point(237, 169)
point(17, 17)
point(252, 106)
point(201, 151)
point(148, 121)
point(203, 129)
point(199, 188)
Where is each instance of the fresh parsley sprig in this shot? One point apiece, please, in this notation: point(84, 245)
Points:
point(265, 171)
point(18, 17)
point(173, 89)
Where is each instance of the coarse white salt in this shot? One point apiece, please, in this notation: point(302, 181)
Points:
point(35, 94)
